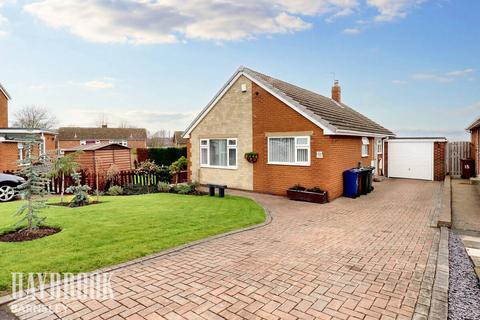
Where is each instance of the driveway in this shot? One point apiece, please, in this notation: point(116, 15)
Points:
point(349, 259)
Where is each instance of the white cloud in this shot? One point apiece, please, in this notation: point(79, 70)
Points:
point(445, 77)
point(168, 21)
point(3, 19)
point(101, 83)
point(399, 82)
point(351, 31)
point(393, 9)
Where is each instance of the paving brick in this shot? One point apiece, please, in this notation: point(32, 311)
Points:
point(368, 258)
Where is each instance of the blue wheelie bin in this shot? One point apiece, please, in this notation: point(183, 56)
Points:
point(351, 183)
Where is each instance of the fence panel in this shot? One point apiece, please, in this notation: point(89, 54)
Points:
point(455, 151)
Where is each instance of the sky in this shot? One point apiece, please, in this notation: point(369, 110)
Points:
point(411, 65)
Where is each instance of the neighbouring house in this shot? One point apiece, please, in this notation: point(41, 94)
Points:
point(178, 140)
point(96, 159)
point(71, 137)
point(474, 129)
point(12, 140)
point(301, 137)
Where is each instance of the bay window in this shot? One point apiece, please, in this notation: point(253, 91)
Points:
point(289, 150)
point(218, 153)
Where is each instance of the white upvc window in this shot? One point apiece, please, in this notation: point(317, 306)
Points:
point(120, 142)
point(218, 153)
point(20, 151)
point(379, 146)
point(365, 144)
point(293, 150)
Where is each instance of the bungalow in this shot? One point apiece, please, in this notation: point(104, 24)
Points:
point(71, 137)
point(178, 140)
point(301, 137)
point(474, 129)
point(12, 140)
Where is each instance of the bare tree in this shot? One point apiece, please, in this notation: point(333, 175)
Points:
point(125, 124)
point(102, 120)
point(34, 117)
point(160, 138)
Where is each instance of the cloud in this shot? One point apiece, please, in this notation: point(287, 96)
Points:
point(450, 134)
point(399, 82)
point(96, 84)
point(351, 31)
point(140, 118)
point(171, 21)
point(393, 9)
point(3, 19)
point(445, 77)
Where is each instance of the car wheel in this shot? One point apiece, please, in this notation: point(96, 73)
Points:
point(6, 193)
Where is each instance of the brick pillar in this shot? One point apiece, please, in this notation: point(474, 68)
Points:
point(3, 111)
point(439, 161)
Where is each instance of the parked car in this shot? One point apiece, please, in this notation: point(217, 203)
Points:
point(8, 182)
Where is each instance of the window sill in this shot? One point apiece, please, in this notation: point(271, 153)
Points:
point(364, 155)
point(218, 167)
point(289, 164)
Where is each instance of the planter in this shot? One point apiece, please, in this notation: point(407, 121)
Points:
point(251, 157)
point(298, 195)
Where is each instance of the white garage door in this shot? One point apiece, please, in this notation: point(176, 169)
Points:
point(410, 159)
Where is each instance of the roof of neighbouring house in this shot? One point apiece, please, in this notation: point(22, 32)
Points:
point(4, 91)
point(474, 125)
point(81, 133)
point(333, 117)
point(93, 147)
point(177, 137)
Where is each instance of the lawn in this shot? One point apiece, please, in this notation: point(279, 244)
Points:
point(120, 229)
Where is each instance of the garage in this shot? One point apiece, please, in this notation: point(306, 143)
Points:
point(416, 158)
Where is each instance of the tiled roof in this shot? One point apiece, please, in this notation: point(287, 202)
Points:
point(474, 125)
point(337, 115)
point(177, 138)
point(79, 133)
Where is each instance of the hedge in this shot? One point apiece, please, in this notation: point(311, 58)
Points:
point(161, 156)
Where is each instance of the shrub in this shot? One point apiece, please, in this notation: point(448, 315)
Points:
point(115, 191)
point(164, 174)
point(182, 188)
point(163, 186)
point(161, 156)
point(136, 189)
point(179, 165)
point(80, 193)
point(298, 188)
point(316, 190)
point(147, 167)
point(185, 188)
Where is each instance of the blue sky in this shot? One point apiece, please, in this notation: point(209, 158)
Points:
point(411, 65)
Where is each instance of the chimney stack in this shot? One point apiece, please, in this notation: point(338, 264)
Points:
point(337, 92)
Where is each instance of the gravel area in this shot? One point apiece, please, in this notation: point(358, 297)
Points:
point(464, 288)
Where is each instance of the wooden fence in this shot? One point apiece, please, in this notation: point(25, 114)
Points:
point(123, 178)
point(455, 151)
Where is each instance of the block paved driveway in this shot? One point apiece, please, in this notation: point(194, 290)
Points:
point(350, 259)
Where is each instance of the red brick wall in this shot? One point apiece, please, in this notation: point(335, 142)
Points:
point(385, 157)
point(3, 111)
point(475, 151)
point(439, 161)
point(9, 158)
point(340, 153)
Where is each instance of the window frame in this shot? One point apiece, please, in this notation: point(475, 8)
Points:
point(297, 147)
point(379, 146)
point(365, 155)
point(229, 147)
